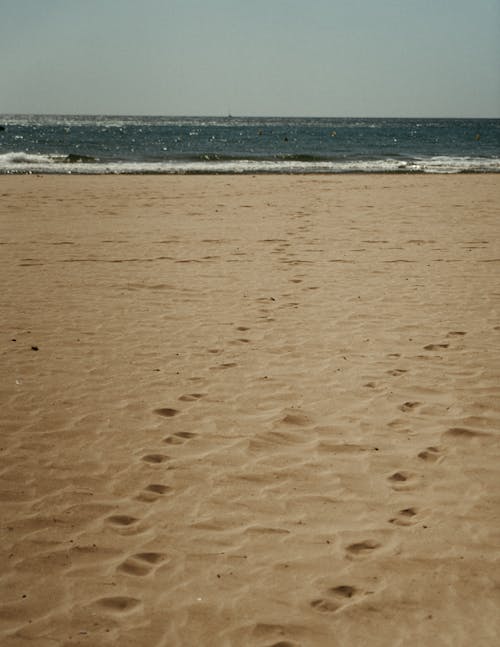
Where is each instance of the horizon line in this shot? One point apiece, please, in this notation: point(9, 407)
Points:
point(232, 116)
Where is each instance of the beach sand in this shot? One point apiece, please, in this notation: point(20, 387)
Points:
point(250, 411)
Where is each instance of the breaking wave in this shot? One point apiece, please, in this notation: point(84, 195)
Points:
point(21, 162)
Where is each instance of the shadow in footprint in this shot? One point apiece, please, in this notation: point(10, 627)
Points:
point(122, 520)
point(222, 367)
point(325, 606)
point(343, 591)
point(296, 418)
point(408, 406)
point(430, 454)
point(155, 459)
point(398, 477)
point(119, 604)
point(167, 412)
point(402, 480)
point(157, 488)
point(404, 517)
point(141, 564)
point(152, 492)
point(179, 437)
point(336, 598)
point(131, 567)
point(435, 346)
point(191, 397)
point(362, 547)
point(465, 433)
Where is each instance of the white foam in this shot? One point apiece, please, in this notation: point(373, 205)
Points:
point(21, 162)
point(21, 158)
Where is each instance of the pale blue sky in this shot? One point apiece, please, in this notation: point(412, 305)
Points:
point(251, 57)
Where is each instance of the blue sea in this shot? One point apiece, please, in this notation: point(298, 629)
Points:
point(153, 145)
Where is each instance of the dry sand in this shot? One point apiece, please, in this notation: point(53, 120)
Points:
point(250, 411)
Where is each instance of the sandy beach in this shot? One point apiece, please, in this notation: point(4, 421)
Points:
point(250, 411)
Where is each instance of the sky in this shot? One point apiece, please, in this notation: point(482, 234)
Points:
point(325, 58)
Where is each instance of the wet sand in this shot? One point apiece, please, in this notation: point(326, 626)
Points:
point(250, 411)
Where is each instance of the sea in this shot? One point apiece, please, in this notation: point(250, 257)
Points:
point(97, 144)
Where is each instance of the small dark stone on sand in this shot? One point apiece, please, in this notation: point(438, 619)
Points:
point(34, 348)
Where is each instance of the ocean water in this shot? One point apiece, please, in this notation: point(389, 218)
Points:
point(130, 144)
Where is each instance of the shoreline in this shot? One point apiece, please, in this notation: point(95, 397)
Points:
point(258, 174)
point(249, 173)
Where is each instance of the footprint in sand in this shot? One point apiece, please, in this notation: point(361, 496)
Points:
point(122, 520)
point(265, 530)
point(430, 454)
point(276, 632)
point(167, 412)
point(404, 517)
point(296, 417)
point(158, 488)
point(141, 564)
point(179, 437)
point(222, 367)
point(397, 372)
point(155, 459)
point(402, 480)
point(125, 524)
point(191, 397)
point(408, 406)
point(464, 433)
point(325, 606)
point(336, 598)
point(118, 604)
point(151, 493)
point(343, 591)
point(362, 548)
point(435, 346)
